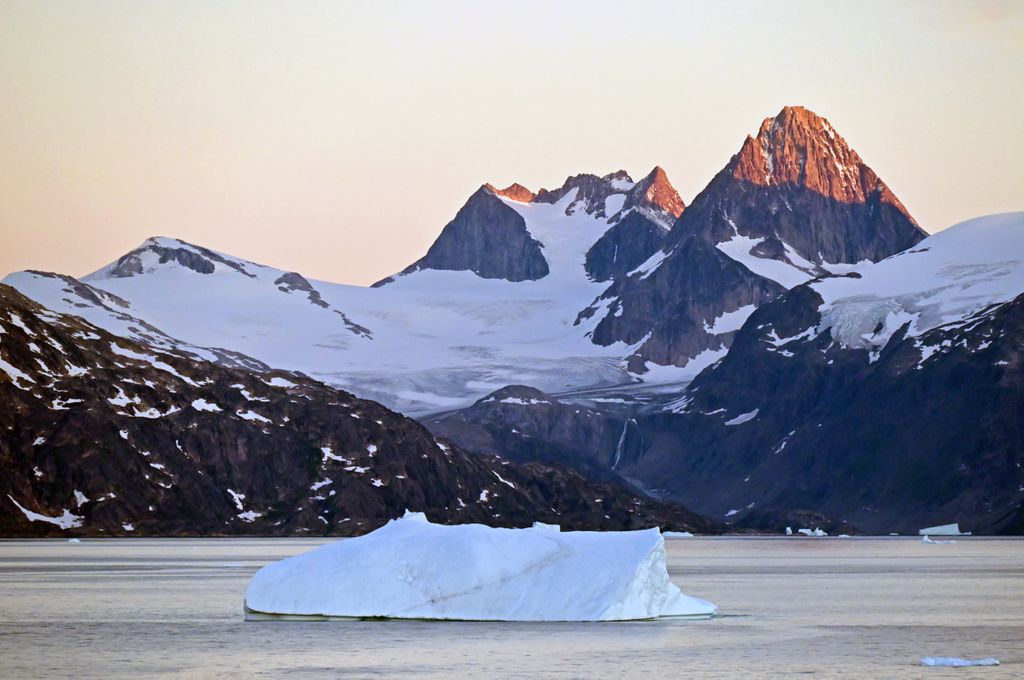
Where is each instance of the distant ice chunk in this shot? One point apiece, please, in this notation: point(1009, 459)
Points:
point(957, 662)
point(816, 532)
point(411, 568)
point(677, 534)
point(943, 530)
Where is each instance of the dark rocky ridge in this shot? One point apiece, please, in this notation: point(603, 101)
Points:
point(591, 192)
point(198, 259)
point(488, 238)
point(887, 442)
point(492, 240)
point(655, 198)
point(624, 247)
point(158, 443)
point(797, 183)
point(524, 424)
point(82, 296)
point(290, 282)
point(676, 303)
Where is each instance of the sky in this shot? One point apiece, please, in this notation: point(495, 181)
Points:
point(337, 138)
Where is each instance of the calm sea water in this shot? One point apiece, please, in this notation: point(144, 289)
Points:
point(861, 608)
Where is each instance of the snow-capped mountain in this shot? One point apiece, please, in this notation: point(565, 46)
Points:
point(105, 435)
point(492, 303)
point(496, 237)
point(884, 399)
point(497, 298)
point(795, 202)
point(890, 397)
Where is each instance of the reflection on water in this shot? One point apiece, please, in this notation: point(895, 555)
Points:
point(823, 607)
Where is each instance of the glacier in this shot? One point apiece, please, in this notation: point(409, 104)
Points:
point(414, 569)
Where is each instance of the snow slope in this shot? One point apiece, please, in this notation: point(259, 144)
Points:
point(945, 279)
point(411, 568)
point(428, 341)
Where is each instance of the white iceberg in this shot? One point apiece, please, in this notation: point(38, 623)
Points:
point(677, 534)
point(943, 530)
point(817, 532)
point(413, 569)
point(956, 662)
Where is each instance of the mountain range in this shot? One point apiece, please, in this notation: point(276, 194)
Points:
point(791, 346)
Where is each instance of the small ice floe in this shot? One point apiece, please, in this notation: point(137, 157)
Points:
point(816, 532)
point(789, 531)
point(957, 662)
point(927, 539)
point(413, 569)
point(943, 530)
point(73, 540)
point(677, 534)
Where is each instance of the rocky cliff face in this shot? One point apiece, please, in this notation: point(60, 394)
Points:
point(524, 424)
point(624, 247)
point(888, 397)
point(674, 313)
point(794, 199)
point(799, 183)
point(655, 198)
point(488, 238)
point(884, 399)
point(103, 435)
point(893, 441)
point(493, 240)
point(590, 190)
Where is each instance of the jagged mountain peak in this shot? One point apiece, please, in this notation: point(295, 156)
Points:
point(798, 147)
point(514, 191)
point(619, 177)
point(590, 187)
point(656, 198)
point(157, 251)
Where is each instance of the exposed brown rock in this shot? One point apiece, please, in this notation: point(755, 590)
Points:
point(656, 191)
point(799, 147)
point(515, 191)
point(796, 185)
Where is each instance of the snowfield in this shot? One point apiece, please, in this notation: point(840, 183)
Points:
point(435, 340)
point(411, 568)
point(945, 279)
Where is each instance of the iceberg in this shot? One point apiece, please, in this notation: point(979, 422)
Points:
point(816, 532)
point(943, 530)
point(413, 569)
point(677, 534)
point(954, 662)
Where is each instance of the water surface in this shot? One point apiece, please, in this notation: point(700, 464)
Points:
point(129, 608)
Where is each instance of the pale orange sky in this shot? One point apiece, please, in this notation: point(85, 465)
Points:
point(337, 138)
